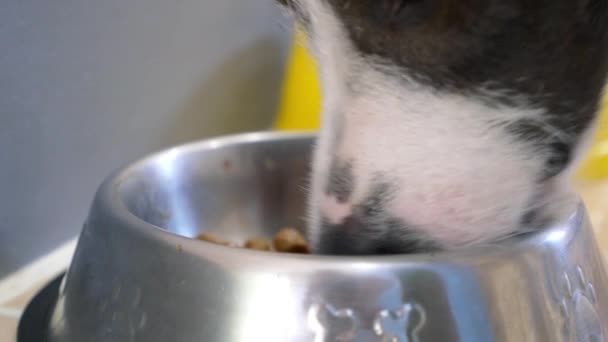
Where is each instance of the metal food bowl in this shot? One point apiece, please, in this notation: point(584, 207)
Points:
point(137, 274)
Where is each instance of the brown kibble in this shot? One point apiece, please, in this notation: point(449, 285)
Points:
point(213, 239)
point(290, 240)
point(287, 240)
point(259, 244)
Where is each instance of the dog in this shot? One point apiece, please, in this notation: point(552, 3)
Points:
point(448, 123)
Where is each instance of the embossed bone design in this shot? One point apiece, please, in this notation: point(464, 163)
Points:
point(579, 309)
point(332, 325)
point(403, 327)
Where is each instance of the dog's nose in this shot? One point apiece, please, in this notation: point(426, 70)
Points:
point(352, 237)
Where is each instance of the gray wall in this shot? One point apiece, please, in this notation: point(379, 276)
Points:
point(87, 85)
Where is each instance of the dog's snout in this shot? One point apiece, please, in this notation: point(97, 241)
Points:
point(445, 130)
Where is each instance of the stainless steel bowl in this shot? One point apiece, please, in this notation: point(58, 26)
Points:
point(138, 276)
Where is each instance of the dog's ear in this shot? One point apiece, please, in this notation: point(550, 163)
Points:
point(296, 9)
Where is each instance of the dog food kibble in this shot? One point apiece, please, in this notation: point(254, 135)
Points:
point(290, 240)
point(215, 240)
point(259, 244)
point(287, 240)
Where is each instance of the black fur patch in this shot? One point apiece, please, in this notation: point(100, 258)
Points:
point(370, 229)
point(341, 180)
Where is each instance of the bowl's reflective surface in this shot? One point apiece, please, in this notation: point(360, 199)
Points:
point(131, 281)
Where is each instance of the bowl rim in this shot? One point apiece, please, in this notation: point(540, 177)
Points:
point(109, 200)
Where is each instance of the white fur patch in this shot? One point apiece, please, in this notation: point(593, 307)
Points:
point(460, 179)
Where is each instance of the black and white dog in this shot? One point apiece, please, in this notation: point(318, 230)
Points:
point(448, 123)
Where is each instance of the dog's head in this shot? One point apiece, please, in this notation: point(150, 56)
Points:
point(448, 123)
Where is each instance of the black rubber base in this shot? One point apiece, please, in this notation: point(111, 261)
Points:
point(34, 322)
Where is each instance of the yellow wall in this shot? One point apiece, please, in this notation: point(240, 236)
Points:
point(301, 101)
